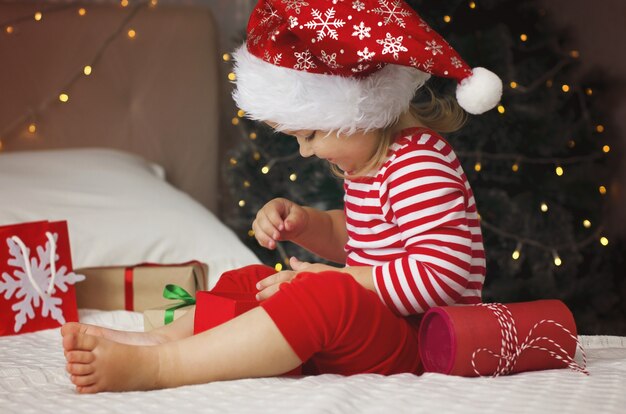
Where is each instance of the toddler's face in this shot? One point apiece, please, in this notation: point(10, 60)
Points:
point(348, 152)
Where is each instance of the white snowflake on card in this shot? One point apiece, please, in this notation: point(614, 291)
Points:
point(325, 25)
point(37, 292)
point(392, 12)
point(392, 45)
point(361, 31)
point(296, 5)
point(304, 60)
point(293, 22)
point(434, 47)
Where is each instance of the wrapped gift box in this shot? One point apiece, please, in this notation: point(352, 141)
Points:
point(155, 317)
point(213, 309)
point(137, 288)
point(496, 339)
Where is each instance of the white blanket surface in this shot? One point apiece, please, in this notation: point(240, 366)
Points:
point(33, 380)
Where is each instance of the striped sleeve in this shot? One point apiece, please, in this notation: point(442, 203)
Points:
point(426, 196)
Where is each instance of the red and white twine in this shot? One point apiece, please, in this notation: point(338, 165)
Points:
point(511, 349)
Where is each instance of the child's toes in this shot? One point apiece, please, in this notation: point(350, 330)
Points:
point(70, 327)
point(79, 342)
point(91, 389)
point(80, 357)
point(83, 380)
point(80, 369)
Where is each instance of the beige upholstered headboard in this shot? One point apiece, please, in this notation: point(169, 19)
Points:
point(154, 94)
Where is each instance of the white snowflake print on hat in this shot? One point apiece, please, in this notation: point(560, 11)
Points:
point(34, 281)
point(400, 49)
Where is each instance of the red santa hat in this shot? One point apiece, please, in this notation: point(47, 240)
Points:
point(343, 65)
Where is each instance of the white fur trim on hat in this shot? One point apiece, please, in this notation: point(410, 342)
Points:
point(296, 100)
point(479, 92)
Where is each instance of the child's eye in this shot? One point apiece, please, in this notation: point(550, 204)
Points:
point(310, 136)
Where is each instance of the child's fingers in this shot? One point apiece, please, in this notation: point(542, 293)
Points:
point(298, 265)
point(268, 286)
point(267, 231)
point(262, 237)
point(278, 277)
point(267, 292)
point(270, 222)
point(274, 213)
point(264, 222)
point(295, 219)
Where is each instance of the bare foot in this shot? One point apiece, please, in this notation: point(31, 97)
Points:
point(97, 364)
point(123, 337)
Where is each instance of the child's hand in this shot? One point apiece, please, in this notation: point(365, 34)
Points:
point(279, 219)
point(300, 267)
point(270, 285)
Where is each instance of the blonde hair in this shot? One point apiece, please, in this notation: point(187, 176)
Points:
point(441, 114)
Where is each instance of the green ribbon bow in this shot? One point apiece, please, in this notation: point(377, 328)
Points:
point(175, 292)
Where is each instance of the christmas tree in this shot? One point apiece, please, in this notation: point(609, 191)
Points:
point(540, 166)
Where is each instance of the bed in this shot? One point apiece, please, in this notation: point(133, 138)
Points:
point(32, 379)
point(133, 167)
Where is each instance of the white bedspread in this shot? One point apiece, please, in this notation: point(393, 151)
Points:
point(33, 379)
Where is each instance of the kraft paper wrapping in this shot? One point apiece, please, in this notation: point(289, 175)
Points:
point(107, 288)
point(468, 340)
point(155, 318)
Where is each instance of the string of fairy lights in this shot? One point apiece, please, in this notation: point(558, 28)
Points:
point(516, 160)
point(26, 124)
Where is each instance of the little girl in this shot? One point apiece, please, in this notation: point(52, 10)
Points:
point(339, 76)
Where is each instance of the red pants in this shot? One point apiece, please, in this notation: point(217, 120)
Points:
point(333, 323)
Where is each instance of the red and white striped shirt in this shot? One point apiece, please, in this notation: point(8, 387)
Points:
point(416, 223)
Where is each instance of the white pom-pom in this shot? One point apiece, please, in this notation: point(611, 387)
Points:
point(479, 92)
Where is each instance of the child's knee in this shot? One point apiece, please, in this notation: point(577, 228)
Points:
point(335, 306)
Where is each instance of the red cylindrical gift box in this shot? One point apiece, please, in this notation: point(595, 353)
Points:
point(496, 339)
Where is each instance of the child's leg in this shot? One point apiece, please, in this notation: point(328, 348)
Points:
point(178, 329)
point(328, 317)
point(248, 346)
point(340, 327)
point(239, 280)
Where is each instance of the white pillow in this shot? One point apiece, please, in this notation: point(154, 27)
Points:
point(118, 207)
